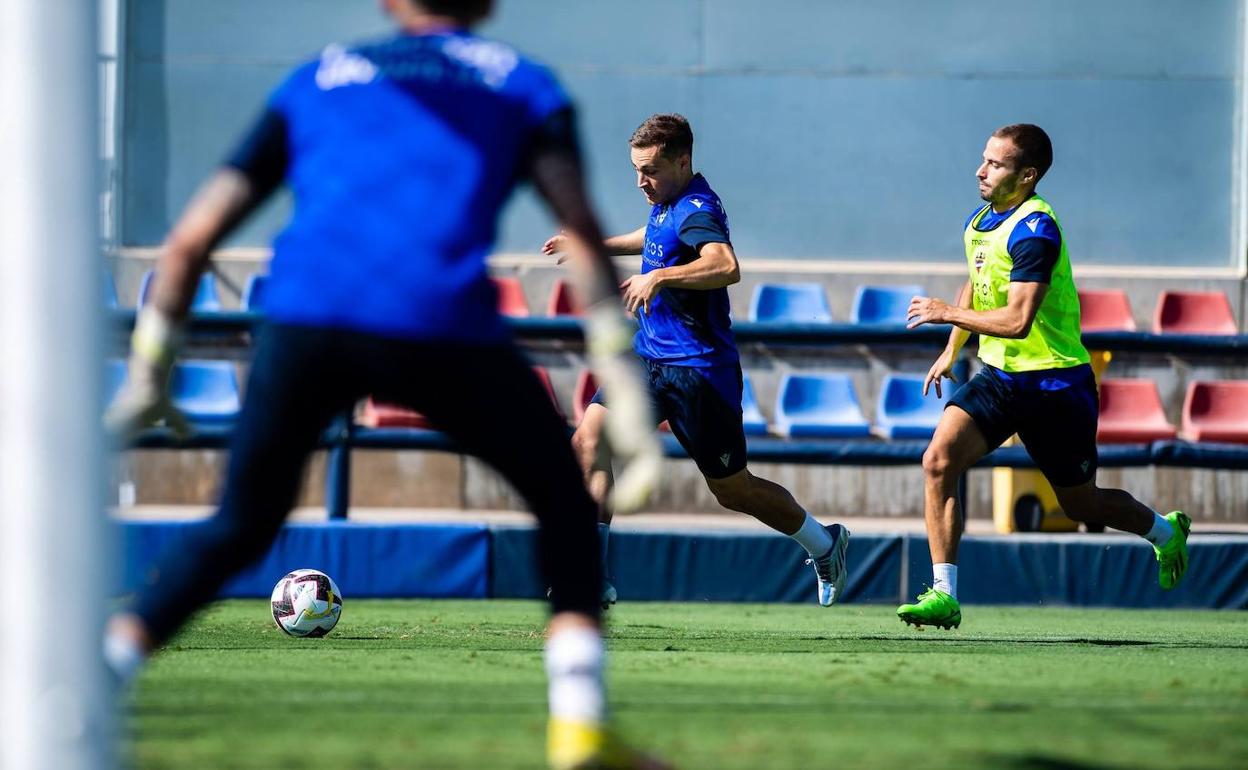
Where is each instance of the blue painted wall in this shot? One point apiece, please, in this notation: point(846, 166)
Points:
point(847, 130)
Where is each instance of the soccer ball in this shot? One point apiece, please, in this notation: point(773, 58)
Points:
point(306, 603)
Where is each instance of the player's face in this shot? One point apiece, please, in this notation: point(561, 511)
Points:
point(1000, 177)
point(660, 178)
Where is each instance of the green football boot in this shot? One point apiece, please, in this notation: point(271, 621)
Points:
point(934, 608)
point(1172, 557)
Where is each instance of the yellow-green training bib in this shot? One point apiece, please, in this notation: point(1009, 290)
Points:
point(1054, 339)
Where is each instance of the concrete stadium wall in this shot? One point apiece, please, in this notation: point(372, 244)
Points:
point(840, 130)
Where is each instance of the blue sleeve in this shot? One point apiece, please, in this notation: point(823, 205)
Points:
point(1034, 259)
point(702, 227)
point(263, 155)
point(1034, 246)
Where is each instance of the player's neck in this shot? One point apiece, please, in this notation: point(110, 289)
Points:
point(1012, 202)
point(684, 185)
point(417, 23)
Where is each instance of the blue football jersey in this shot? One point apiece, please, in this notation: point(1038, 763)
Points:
point(686, 327)
point(402, 153)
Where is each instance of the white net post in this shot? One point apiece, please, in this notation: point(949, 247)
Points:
point(54, 542)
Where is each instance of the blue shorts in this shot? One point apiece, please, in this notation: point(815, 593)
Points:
point(1053, 411)
point(703, 407)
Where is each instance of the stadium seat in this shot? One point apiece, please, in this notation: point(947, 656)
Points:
point(819, 405)
point(110, 290)
point(751, 415)
point(114, 378)
point(205, 300)
point(379, 414)
point(562, 301)
point(1216, 411)
point(883, 304)
point(544, 377)
point(903, 412)
point(382, 414)
point(1193, 312)
point(1105, 311)
point(511, 301)
point(583, 393)
point(754, 422)
point(205, 391)
point(1131, 413)
point(790, 302)
point(253, 292)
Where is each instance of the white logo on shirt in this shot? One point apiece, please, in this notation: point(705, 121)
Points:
point(494, 61)
point(696, 202)
point(339, 67)
point(1032, 223)
point(724, 458)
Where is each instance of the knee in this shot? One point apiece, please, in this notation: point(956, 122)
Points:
point(732, 493)
point(585, 445)
point(937, 463)
point(1077, 503)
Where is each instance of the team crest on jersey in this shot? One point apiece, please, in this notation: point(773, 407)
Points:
point(979, 261)
point(662, 216)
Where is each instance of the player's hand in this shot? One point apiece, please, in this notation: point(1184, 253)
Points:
point(926, 310)
point(639, 291)
point(942, 368)
point(629, 422)
point(144, 399)
point(557, 244)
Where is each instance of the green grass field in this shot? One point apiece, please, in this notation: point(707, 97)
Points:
point(443, 684)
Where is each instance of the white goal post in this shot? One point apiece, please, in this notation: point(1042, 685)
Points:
point(55, 547)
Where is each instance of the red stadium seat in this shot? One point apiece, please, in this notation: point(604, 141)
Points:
point(511, 301)
point(544, 376)
point(562, 300)
point(586, 387)
point(1193, 312)
point(382, 415)
point(1216, 411)
point(1131, 413)
point(1105, 311)
point(379, 414)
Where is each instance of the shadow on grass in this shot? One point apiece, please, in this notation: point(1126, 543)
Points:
point(1040, 762)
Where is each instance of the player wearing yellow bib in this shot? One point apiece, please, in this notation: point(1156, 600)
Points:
point(1035, 381)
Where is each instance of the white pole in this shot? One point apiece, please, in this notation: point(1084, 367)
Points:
point(53, 536)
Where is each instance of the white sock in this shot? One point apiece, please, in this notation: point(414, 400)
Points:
point(945, 578)
point(123, 656)
point(574, 661)
point(813, 537)
point(1160, 534)
point(604, 532)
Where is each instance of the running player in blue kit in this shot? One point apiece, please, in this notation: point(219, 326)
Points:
point(685, 342)
point(400, 153)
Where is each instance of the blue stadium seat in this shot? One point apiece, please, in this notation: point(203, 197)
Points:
point(253, 292)
point(883, 304)
point(903, 412)
point(205, 391)
point(114, 379)
point(819, 405)
point(205, 300)
point(791, 302)
point(110, 290)
point(751, 416)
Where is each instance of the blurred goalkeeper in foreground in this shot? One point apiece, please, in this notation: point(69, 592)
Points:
point(400, 153)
